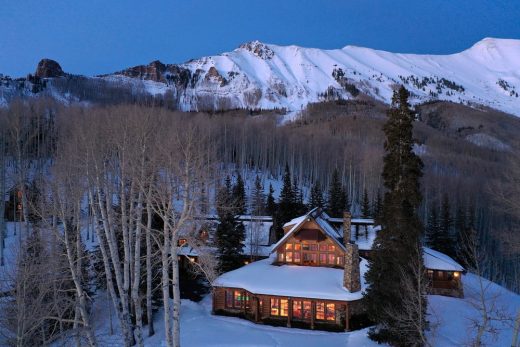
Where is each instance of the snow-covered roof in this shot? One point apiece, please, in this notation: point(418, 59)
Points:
point(367, 221)
point(435, 260)
point(261, 277)
point(319, 218)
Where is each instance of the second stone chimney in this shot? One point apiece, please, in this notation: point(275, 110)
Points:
point(351, 273)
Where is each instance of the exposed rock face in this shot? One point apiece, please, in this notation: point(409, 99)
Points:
point(153, 71)
point(48, 68)
point(213, 76)
point(259, 49)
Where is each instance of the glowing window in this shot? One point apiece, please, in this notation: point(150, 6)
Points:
point(239, 299)
point(307, 310)
point(330, 312)
point(288, 246)
point(297, 309)
point(332, 259)
point(284, 307)
point(275, 307)
point(332, 248)
point(288, 257)
point(339, 261)
point(323, 258)
point(320, 310)
point(297, 246)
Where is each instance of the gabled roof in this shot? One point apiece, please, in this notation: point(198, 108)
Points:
point(435, 260)
point(320, 218)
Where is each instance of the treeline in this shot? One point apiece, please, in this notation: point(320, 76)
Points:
point(123, 166)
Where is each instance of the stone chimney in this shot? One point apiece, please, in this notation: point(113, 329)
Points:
point(347, 221)
point(351, 274)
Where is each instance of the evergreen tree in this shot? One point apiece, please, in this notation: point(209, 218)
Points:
point(239, 196)
point(270, 205)
point(230, 233)
point(337, 201)
point(447, 244)
point(460, 229)
point(432, 226)
point(378, 206)
point(258, 198)
point(316, 199)
point(365, 205)
point(399, 239)
point(230, 236)
point(286, 206)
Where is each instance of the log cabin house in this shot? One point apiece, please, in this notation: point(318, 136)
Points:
point(314, 277)
point(311, 280)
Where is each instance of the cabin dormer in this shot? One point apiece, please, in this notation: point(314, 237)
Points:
point(310, 241)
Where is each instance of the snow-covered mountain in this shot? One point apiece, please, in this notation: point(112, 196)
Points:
point(265, 76)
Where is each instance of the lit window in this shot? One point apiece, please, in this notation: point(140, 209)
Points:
point(320, 310)
point(288, 257)
point(332, 248)
point(310, 258)
point(297, 309)
point(275, 307)
point(330, 312)
point(297, 257)
point(284, 307)
point(323, 247)
point(307, 310)
point(288, 246)
point(323, 258)
point(297, 246)
point(332, 259)
point(238, 299)
point(339, 261)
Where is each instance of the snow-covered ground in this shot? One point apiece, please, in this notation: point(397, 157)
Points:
point(451, 321)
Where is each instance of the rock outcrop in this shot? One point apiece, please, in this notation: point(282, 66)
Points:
point(48, 68)
point(153, 71)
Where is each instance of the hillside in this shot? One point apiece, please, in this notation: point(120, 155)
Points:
point(264, 76)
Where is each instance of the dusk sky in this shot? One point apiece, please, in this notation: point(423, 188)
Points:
point(100, 36)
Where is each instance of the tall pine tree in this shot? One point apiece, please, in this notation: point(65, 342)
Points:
point(258, 198)
point(365, 205)
point(286, 207)
point(337, 201)
point(230, 233)
point(447, 244)
point(399, 239)
point(270, 204)
point(316, 199)
point(239, 196)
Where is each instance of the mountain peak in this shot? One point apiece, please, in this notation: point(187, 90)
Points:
point(258, 48)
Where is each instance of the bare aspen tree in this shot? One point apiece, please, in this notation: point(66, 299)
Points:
point(507, 195)
point(410, 317)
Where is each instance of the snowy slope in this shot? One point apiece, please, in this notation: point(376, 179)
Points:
point(451, 322)
point(258, 75)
